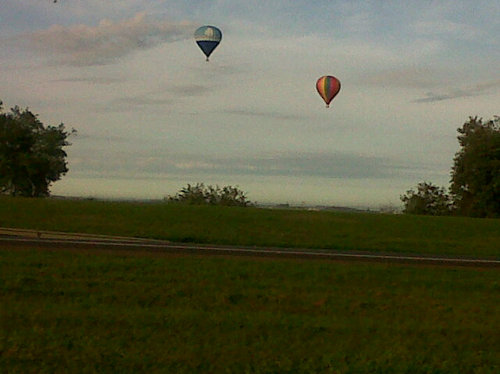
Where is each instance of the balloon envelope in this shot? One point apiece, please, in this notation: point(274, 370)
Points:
point(328, 87)
point(207, 38)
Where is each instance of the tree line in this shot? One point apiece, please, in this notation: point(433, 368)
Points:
point(475, 176)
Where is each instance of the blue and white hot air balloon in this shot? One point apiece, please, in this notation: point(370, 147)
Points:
point(207, 38)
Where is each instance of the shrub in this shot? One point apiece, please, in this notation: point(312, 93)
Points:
point(199, 194)
point(429, 199)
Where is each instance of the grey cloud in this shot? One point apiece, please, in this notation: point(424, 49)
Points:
point(445, 27)
point(90, 80)
point(154, 98)
point(82, 45)
point(326, 165)
point(143, 100)
point(256, 113)
point(455, 93)
point(407, 77)
point(101, 138)
point(432, 97)
point(131, 103)
point(334, 165)
point(189, 90)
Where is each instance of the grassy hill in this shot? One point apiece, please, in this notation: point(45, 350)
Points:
point(259, 227)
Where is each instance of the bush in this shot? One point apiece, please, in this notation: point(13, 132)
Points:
point(200, 194)
point(429, 199)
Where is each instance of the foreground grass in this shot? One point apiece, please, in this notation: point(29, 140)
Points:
point(90, 311)
point(259, 227)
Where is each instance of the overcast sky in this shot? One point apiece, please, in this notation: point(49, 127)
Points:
point(152, 115)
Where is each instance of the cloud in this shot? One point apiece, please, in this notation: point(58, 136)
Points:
point(330, 165)
point(263, 114)
point(444, 27)
point(82, 45)
point(132, 103)
point(412, 77)
point(146, 100)
point(455, 93)
point(325, 165)
point(90, 80)
point(95, 138)
point(189, 90)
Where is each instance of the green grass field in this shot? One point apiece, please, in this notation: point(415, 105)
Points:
point(259, 227)
point(124, 311)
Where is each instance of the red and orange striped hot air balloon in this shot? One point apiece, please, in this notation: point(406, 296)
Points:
point(328, 87)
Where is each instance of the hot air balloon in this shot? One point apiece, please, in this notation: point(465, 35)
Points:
point(207, 38)
point(328, 87)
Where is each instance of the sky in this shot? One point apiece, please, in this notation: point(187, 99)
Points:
point(152, 115)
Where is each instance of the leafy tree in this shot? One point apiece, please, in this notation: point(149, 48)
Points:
point(200, 194)
point(429, 199)
point(31, 154)
point(475, 175)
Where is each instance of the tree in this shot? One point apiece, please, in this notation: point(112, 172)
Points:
point(31, 154)
point(429, 199)
point(200, 194)
point(475, 175)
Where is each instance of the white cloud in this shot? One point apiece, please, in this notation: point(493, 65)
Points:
point(82, 45)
